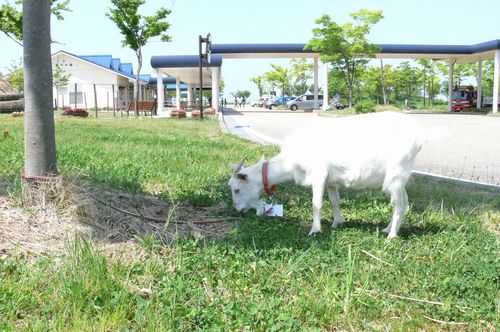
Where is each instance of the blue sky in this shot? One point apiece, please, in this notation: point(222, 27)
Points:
point(87, 31)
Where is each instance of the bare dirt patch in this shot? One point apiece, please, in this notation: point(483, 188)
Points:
point(50, 215)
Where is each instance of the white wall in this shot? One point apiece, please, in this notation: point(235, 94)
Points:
point(85, 75)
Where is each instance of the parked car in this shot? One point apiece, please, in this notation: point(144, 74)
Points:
point(257, 103)
point(304, 102)
point(267, 100)
point(488, 101)
point(279, 101)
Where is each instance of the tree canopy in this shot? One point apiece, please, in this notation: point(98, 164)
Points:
point(346, 46)
point(137, 29)
point(11, 18)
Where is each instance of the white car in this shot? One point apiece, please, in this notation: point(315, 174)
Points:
point(304, 102)
point(257, 103)
point(488, 101)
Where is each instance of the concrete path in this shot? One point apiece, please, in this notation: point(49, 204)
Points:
point(471, 154)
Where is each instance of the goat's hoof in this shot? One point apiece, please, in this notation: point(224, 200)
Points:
point(314, 232)
point(386, 230)
point(391, 236)
point(337, 224)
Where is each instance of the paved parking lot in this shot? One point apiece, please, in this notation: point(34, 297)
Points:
point(472, 153)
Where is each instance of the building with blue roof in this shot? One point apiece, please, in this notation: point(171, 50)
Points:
point(100, 81)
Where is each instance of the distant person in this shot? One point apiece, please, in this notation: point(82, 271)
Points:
point(224, 102)
point(243, 101)
point(235, 102)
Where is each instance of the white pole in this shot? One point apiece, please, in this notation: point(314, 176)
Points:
point(178, 93)
point(479, 84)
point(215, 89)
point(219, 79)
point(450, 83)
point(325, 86)
point(315, 61)
point(496, 73)
point(190, 95)
point(159, 91)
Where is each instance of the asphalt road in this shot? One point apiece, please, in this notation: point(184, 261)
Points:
point(472, 152)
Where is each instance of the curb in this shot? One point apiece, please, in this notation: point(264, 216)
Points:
point(233, 127)
point(465, 183)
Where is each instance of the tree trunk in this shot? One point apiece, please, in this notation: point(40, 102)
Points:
point(12, 106)
point(350, 96)
point(138, 87)
point(382, 81)
point(425, 84)
point(39, 132)
point(431, 92)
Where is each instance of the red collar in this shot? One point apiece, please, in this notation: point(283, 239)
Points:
point(269, 190)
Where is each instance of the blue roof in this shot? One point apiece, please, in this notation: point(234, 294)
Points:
point(116, 64)
point(424, 49)
point(385, 48)
point(259, 48)
point(101, 60)
point(113, 64)
point(127, 68)
point(166, 80)
point(487, 46)
point(178, 61)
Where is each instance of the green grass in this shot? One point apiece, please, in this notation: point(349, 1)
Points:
point(267, 274)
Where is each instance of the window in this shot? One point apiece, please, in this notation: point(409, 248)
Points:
point(79, 97)
point(311, 97)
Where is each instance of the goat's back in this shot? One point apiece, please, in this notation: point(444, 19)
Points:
point(358, 147)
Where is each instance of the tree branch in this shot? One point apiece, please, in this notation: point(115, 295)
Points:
point(14, 39)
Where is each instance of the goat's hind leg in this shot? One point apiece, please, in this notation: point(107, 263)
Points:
point(399, 201)
point(333, 195)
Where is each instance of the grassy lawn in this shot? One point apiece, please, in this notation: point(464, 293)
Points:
point(266, 274)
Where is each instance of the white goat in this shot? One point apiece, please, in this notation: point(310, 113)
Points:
point(364, 151)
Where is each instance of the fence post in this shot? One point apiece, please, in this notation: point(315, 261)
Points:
point(114, 102)
point(85, 100)
point(95, 101)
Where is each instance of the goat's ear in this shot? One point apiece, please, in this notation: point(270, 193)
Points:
point(234, 166)
point(242, 176)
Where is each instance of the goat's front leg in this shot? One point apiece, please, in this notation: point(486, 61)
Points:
point(333, 194)
point(318, 188)
point(399, 200)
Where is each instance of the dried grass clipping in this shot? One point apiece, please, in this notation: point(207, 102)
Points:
point(51, 213)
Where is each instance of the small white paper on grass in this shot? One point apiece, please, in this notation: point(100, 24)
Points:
point(276, 210)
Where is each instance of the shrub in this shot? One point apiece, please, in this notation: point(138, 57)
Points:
point(75, 112)
point(365, 106)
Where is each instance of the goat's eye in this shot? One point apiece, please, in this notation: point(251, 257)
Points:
point(236, 191)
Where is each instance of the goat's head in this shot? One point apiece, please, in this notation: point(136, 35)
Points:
point(246, 186)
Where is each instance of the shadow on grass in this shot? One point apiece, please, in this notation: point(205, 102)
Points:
point(435, 208)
